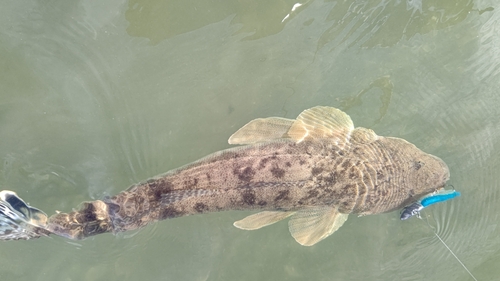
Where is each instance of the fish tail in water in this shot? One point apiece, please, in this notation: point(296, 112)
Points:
point(128, 210)
point(92, 219)
point(18, 220)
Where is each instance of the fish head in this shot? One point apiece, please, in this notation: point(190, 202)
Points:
point(428, 173)
point(434, 175)
point(412, 172)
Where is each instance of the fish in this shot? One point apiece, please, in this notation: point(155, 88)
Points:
point(314, 170)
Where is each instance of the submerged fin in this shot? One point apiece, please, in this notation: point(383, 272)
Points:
point(309, 226)
point(322, 122)
point(261, 129)
point(261, 219)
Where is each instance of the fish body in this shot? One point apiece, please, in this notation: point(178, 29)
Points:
point(315, 169)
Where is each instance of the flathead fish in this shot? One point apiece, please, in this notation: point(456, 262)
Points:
point(314, 170)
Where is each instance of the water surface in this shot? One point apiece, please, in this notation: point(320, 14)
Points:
point(96, 97)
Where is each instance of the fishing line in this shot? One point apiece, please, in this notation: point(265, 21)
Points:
point(447, 247)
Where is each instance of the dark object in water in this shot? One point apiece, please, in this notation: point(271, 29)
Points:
point(411, 210)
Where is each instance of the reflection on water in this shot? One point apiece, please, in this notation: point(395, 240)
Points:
point(363, 23)
point(384, 85)
point(96, 97)
point(385, 22)
point(159, 20)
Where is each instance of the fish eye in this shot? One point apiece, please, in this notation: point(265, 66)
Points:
point(418, 164)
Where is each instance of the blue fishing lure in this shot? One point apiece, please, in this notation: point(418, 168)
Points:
point(439, 196)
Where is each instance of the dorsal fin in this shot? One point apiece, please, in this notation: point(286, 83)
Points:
point(262, 129)
point(322, 122)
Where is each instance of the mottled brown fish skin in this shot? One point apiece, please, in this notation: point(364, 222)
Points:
point(381, 176)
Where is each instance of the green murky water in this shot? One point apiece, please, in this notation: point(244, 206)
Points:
point(95, 97)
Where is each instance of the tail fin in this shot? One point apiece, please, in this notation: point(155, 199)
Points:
point(18, 220)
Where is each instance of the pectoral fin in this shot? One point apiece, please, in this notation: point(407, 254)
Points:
point(322, 122)
point(261, 219)
point(309, 226)
point(261, 129)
